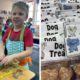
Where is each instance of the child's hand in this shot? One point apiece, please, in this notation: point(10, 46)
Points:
point(2, 56)
point(7, 59)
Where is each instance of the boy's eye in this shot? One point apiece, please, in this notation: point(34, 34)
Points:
point(21, 14)
point(14, 13)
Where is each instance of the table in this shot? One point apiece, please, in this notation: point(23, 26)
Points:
point(16, 73)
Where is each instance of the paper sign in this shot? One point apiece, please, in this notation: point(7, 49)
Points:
point(52, 28)
point(53, 48)
point(73, 19)
point(72, 39)
point(72, 46)
point(67, 6)
point(78, 0)
point(71, 1)
point(72, 30)
point(63, 1)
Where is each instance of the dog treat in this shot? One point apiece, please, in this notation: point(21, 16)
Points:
point(44, 75)
point(17, 73)
point(65, 73)
point(53, 74)
point(49, 74)
point(77, 69)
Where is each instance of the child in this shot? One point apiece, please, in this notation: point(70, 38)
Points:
point(19, 39)
point(29, 24)
point(8, 22)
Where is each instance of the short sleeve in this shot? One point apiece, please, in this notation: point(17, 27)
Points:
point(6, 35)
point(28, 38)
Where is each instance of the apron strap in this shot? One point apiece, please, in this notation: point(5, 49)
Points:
point(2, 29)
point(0, 33)
point(22, 33)
point(9, 35)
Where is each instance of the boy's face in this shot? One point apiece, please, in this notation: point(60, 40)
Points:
point(18, 16)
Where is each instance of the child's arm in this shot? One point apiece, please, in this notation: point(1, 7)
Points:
point(2, 55)
point(21, 55)
point(24, 54)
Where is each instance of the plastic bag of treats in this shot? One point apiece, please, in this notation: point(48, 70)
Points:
point(44, 75)
point(55, 64)
point(77, 70)
point(49, 74)
point(65, 73)
point(50, 70)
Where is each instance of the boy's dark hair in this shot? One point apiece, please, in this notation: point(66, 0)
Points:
point(30, 19)
point(23, 6)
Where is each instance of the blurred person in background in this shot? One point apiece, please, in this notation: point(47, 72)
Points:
point(8, 24)
point(29, 23)
point(1, 28)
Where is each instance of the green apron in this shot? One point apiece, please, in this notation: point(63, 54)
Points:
point(16, 46)
point(0, 36)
